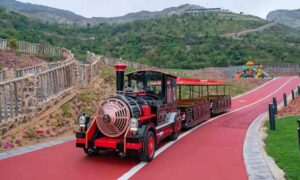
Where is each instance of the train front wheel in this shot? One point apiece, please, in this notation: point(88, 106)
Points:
point(148, 151)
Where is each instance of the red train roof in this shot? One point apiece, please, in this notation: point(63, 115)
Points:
point(188, 81)
point(195, 82)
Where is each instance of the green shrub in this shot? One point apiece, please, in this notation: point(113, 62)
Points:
point(66, 110)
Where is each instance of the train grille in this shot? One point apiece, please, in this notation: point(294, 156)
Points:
point(113, 117)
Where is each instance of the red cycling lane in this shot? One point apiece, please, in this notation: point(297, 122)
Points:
point(215, 150)
point(261, 91)
point(212, 151)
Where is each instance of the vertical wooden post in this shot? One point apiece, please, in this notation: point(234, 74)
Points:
point(179, 92)
point(190, 90)
point(271, 117)
point(207, 88)
point(284, 100)
point(16, 99)
point(11, 100)
point(1, 107)
point(5, 102)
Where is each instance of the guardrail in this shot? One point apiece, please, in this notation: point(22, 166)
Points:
point(32, 90)
point(32, 48)
point(29, 94)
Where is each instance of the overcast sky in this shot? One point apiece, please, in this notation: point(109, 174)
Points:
point(110, 8)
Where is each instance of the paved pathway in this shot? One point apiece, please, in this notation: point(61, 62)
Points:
point(238, 35)
point(213, 150)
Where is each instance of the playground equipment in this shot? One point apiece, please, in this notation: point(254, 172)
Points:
point(251, 71)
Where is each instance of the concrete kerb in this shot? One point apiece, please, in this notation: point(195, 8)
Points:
point(28, 149)
point(254, 151)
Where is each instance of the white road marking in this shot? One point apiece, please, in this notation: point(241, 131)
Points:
point(139, 166)
point(259, 87)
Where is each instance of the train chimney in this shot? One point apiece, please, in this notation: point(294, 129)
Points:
point(120, 68)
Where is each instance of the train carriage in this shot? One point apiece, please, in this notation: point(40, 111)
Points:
point(148, 107)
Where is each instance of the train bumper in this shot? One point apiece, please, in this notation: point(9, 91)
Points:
point(132, 143)
point(116, 143)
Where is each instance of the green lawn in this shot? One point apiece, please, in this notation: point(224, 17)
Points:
point(282, 145)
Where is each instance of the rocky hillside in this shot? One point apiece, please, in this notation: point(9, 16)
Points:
point(143, 15)
point(289, 18)
point(62, 16)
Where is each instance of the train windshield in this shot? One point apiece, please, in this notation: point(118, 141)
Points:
point(144, 81)
point(154, 83)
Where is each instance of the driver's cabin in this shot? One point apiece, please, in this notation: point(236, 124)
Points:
point(156, 84)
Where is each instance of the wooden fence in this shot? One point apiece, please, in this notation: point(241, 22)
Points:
point(3, 44)
point(26, 94)
point(282, 67)
point(88, 72)
point(31, 90)
point(54, 81)
point(1, 76)
point(32, 48)
point(18, 73)
point(14, 97)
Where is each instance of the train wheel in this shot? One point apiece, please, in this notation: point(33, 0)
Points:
point(89, 151)
point(148, 151)
point(177, 128)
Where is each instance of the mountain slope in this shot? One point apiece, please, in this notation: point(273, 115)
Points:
point(289, 18)
point(41, 12)
point(62, 16)
point(177, 41)
point(143, 15)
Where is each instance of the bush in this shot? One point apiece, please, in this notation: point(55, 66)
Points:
point(66, 109)
point(12, 43)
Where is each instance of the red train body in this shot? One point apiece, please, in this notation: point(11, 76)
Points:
point(153, 106)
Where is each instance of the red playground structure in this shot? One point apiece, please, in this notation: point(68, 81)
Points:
point(148, 107)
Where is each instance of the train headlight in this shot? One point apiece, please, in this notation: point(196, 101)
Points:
point(133, 125)
point(82, 121)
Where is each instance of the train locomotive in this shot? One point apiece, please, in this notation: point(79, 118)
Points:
point(147, 108)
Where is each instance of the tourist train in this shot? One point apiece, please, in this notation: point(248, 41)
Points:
point(148, 107)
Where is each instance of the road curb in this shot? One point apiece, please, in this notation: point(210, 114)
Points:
point(28, 149)
point(258, 164)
